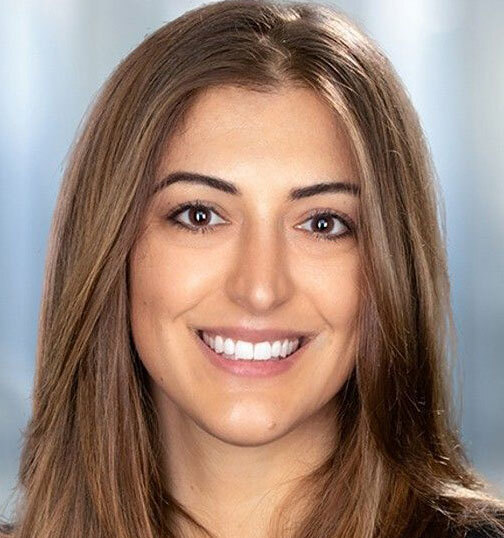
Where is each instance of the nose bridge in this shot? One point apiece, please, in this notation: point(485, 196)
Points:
point(260, 279)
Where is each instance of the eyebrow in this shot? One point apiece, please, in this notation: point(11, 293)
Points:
point(230, 188)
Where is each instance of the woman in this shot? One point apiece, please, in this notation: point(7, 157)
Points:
point(246, 318)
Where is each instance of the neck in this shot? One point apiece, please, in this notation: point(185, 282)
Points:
point(236, 490)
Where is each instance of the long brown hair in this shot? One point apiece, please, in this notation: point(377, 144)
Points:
point(90, 460)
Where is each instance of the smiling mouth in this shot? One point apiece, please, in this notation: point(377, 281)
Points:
point(303, 340)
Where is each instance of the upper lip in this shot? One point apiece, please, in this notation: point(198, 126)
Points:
point(256, 335)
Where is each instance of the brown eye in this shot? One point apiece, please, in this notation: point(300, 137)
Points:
point(198, 217)
point(327, 225)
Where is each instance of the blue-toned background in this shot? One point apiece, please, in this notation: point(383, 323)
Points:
point(54, 56)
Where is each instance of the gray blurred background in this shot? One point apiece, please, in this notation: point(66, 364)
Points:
point(55, 55)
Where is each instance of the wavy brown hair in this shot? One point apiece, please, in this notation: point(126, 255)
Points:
point(90, 460)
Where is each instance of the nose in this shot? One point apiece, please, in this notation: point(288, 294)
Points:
point(260, 280)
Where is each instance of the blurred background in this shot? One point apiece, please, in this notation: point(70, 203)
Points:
point(56, 54)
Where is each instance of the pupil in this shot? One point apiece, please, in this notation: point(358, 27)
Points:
point(324, 225)
point(200, 216)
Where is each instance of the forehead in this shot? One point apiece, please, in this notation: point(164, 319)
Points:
point(236, 131)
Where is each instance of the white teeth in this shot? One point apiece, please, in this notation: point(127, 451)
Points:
point(219, 344)
point(262, 351)
point(244, 350)
point(247, 350)
point(229, 346)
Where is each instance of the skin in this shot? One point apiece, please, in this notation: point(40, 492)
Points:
point(234, 445)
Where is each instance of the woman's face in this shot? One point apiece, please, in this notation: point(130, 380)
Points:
point(260, 265)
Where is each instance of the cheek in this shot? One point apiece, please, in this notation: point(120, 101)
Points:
point(334, 289)
point(336, 296)
point(167, 282)
point(164, 284)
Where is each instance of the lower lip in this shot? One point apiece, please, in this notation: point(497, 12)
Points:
point(250, 368)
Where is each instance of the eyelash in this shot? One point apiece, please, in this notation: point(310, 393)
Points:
point(178, 210)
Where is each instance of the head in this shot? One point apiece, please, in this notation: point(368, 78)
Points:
point(269, 97)
point(260, 262)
